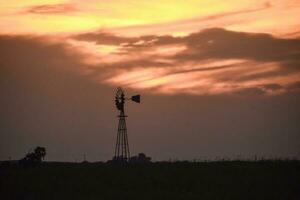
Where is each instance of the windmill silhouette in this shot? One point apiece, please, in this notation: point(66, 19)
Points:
point(122, 152)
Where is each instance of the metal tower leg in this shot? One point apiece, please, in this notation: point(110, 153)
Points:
point(122, 152)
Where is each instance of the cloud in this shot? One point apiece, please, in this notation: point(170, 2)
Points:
point(226, 18)
point(265, 6)
point(216, 43)
point(46, 100)
point(223, 44)
point(272, 86)
point(34, 60)
point(208, 62)
point(295, 87)
point(216, 60)
point(52, 9)
point(105, 38)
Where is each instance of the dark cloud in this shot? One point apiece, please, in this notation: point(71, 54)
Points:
point(44, 102)
point(223, 44)
point(272, 86)
point(295, 87)
point(39, 53)
point(259, 89)
point(209, 44)
point(215, 43)
point(218, 43)
point(105, 38)
point(256, 47)
point(295, 34)
point(52, 9)
point(250, 91)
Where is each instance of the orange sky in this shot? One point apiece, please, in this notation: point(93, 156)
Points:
point(150, 45)
point(139, 16)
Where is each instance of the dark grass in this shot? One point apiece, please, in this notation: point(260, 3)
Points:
point(180, 180)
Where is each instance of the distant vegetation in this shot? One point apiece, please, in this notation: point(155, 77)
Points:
point(160, 180)
point(34, 158)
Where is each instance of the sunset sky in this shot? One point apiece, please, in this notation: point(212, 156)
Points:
point(218, 78)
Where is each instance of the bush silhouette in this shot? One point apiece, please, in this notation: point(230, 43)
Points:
point(35, 157)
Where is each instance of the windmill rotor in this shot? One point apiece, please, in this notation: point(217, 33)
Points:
point(120, 99)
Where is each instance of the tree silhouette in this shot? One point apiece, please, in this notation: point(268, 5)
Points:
point(35, 157)
point(40, 153)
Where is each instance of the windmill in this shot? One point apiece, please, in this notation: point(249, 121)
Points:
point(122, 152)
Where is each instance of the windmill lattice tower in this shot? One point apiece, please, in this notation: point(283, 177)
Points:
point(122, 152)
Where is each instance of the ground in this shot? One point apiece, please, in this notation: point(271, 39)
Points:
point(180, 180)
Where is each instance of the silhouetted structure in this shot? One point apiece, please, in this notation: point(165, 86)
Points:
point(122, 153)
point(35, 157)
point(141, 158)
point(84, 159)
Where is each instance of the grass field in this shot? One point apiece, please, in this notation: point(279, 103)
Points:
point(180, 180)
